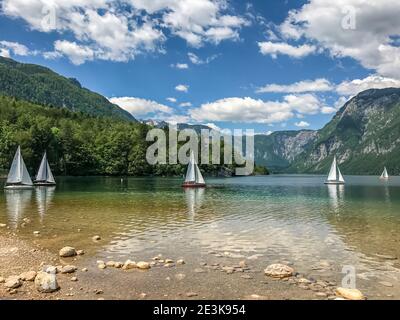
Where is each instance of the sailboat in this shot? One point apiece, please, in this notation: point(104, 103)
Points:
point(44, 176)
point(335, 176)
point(194, 178)
point(18, 177)
point(384, 175)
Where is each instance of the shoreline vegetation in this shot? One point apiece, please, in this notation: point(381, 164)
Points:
point(78, 144)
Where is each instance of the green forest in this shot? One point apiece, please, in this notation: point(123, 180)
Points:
point(80, 144)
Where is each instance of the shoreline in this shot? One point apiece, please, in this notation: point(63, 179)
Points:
point(163, 281)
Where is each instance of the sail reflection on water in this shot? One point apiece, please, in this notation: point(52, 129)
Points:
point(194, 200)
point(336, 196)
point(17, 201)
point(44, 199)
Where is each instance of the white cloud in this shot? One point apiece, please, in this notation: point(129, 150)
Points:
point(318, 85)
point(140, 107)
point(328, 110)
point(7, 48)
point(370, 41)
point(78, 54)
point(180, 66)
point(276, 48)
point(197, 60)
point(255, 110)
point(119, 30)
point(182, 88)
point(213, 126)
point(171, 99)
point(351, 88)
point(302, 124)
point(185, 104)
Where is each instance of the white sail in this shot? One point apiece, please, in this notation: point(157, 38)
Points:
point(341, 179)
point(44, 173)
point(18, 172)
point(199, 176)
point(332, 173)
point(385, 174)
point(191, 171)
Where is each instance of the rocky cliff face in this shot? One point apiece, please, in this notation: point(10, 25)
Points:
point(364, 135)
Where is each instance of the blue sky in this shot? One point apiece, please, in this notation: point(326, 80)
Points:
point(308, 56)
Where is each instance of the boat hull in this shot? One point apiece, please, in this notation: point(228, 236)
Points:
point(334, 182)
point(44, 184)
point(194, 185)
point(17, 187)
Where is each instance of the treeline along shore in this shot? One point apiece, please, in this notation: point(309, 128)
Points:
point(79, 144)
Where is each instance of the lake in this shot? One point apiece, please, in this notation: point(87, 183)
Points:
point(293, 219)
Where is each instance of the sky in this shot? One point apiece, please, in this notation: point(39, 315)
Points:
point(263, 65)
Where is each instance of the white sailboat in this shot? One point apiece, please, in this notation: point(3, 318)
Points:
point(18, 177)
point(194, 178)
point(384, 175)
point(44, 176)
point(335, 176)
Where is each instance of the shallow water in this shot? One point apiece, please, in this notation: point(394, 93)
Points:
point(267, 219)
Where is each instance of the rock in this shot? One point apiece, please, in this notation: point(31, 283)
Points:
point(3, 225)
point(169, 261)
point(2, 280)
point(28, 276)
point(50, 269)
point(80, 252)
point(303, 280)
point(243, 264)
point(13, 282)
point(67, 252)
point(26, 220)
point(228, 270)
point(98, 291)
point(385, 256)
point(321, 294)
point(350, 294)
point(191, 294)
point(180, 262)
point(74, 279)
point(96, 238)
point(100, 262)
point(246, 276)
point(129, 265)
point(168, 265)
point(278, 271)
point(85, 270)
point(68, 269)
point(46, 282)
point(386, 284)
point(142, 295)
point(143, 265)
point(199, 270)
point(101, 266)
point(118, 265)
point(110, 263)
point(36, 232)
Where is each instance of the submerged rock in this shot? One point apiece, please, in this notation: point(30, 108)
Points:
point(46, 282)
point(67, 252)
point(180, 261)
point(3, 225)
point(96, 238)
point(279, 271)
point(350, 294)
point(80, 252)
point(129, 264)
point(68, 269)
point(13, 282)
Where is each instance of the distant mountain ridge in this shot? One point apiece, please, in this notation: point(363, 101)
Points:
point(364, 135)
point(42, 86)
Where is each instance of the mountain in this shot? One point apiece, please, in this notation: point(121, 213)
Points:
point(42, 86)
point(279, 149)
point(364, 135)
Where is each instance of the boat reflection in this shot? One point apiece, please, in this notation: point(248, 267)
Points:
point(17, 202)
point(336, 196)
point(44, 199)
point(194, 200)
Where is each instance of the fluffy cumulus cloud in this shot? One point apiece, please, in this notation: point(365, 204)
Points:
point(140, 107)
point(302, 124)
point(180, 66)
point(171, 99)
point(182, 88)
point(185, 104)
point(256, 110)
point(318, 85)
point(351, 88)
point(365, 30)
point(280, 48)
point(8, 48)
point(119, 30)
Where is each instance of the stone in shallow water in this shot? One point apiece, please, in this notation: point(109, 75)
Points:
point(143, 265)
point(129, 265)
point(67, 252)
point(46, 282)
point(350, 294)
point(278, 271)
point(180, 262)
point(68, 269)
point(96, 238)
